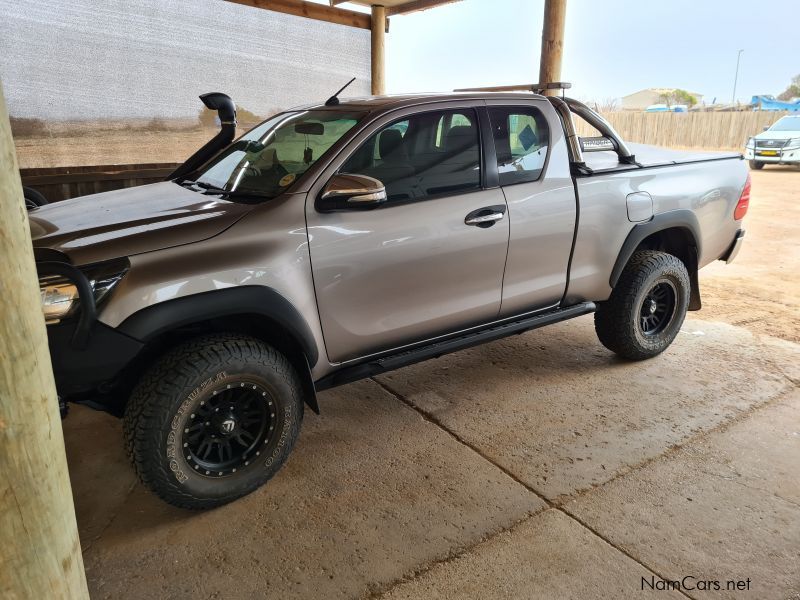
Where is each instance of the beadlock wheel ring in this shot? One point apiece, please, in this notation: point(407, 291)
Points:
point(228, 428)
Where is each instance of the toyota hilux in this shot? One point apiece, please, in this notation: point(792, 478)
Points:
point(342, 240)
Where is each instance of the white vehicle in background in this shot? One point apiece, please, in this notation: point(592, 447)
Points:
point(678, 108)
point(778, 144)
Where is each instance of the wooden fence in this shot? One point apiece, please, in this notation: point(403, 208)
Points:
point(708, 130)
point(60, 183)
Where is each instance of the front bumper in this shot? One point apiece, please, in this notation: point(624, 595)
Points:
point(80, 370)
point(733, 249)
point(782, 156)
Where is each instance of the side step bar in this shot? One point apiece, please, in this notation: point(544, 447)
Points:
point(424, 351)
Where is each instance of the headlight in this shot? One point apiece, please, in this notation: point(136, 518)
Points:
point(60, 296)
point(792, 144)
point(751, 143)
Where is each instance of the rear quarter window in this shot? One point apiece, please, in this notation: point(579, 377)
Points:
point(522, 139)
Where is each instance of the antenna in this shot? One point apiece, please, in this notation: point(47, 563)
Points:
point(334, 100)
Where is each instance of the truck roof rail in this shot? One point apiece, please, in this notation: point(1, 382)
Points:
point(608, 139)
point(536, 88)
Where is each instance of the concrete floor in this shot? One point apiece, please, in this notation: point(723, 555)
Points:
point(535, 467)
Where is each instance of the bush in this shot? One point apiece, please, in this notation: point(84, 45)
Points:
point(208, 118)
point(27, 127)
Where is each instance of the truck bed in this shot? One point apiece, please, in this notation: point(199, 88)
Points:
point(651, 156)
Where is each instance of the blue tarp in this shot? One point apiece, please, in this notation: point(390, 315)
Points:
point(769, 103)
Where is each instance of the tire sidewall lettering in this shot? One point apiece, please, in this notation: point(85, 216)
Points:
point(172, 436)
point(288, 420)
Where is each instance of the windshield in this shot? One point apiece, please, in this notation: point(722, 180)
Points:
point(271, 157)
point(787, 124)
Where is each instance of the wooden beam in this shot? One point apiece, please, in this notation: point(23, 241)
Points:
point(555, 12)
point(399, 8)
point(310, 10)
point(378, 54)
point(41, 556)
point(415, 6)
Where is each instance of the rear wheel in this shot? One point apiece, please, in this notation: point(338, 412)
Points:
point(647, 306)
point(213, 420)
point(754, 164)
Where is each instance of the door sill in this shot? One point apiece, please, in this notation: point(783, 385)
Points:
point(391, 360)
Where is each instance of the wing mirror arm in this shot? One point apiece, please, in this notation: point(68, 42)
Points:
point(348, 191)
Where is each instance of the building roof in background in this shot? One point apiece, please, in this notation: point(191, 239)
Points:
point(660, 91)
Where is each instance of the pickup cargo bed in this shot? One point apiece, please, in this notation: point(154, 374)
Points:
point(651, 156)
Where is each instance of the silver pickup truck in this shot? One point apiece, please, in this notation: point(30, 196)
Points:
point(338, 241)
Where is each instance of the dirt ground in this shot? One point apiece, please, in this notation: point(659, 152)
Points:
point(538, 466)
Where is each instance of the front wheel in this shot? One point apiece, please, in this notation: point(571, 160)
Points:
point(213, 420)
point(754, 164)
point(647, 306)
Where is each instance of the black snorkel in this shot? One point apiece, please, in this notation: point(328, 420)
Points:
point(226, 111)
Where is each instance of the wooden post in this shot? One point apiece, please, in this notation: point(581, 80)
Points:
point(378, 59)
point(40, 553)
point(555, 12)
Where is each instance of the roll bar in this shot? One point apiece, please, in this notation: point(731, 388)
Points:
point(604, 127)
point(609, 140)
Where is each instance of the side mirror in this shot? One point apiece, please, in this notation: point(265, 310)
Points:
point(766, 127)
point(348, 191)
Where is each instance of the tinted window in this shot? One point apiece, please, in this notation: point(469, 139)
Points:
point(423, 155)
point(521, 137)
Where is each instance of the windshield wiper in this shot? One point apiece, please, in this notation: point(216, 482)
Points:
point(214, 190)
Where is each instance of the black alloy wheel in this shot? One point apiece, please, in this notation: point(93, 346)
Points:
point(213, 419)
point(658, 307)
point(228, 428)
point(647, 306)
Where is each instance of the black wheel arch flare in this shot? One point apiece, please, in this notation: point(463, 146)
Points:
point(151, 322)
point(682, 219)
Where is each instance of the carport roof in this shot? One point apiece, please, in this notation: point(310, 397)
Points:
point(398, 7)
point(341, 16)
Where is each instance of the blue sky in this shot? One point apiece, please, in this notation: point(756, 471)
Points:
point(612, 47)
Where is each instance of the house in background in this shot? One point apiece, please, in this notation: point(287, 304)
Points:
point(643, 98)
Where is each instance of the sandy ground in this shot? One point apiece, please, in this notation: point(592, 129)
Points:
point(539, 466)
point(760, 289)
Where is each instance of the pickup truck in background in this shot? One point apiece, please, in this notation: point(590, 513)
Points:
point(778, 144)
point(342, 240)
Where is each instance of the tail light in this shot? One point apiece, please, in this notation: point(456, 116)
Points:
point(744, 201)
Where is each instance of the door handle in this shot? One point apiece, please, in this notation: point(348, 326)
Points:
point(486, 216)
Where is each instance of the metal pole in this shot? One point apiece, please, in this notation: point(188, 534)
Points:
point(41, 552)
point(736, 77)
point(378, 49)
point(555, 12)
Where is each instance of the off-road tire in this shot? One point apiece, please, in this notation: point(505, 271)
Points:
point(33, 198)
point(618, 321)
point(168, 396)
point(756, 164)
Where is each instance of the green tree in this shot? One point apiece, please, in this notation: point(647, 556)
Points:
point(793, 91)
point(678, 97)
point(208, 118)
